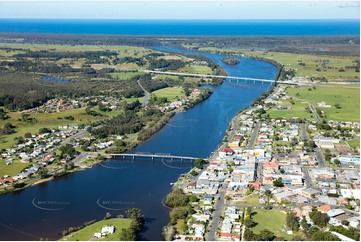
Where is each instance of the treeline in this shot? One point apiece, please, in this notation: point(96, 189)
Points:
point(167, 65)
point(60, 55)
point(149, 84)
point(181, 209)
point(127, 123)
point(158, 121)
point(136, 224)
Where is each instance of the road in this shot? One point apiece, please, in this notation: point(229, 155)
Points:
point(308, 179)
point(253, 137)
point(315, 113)
point(320, 160)
point(211, 236)
point(304, 131)
point(146, 95)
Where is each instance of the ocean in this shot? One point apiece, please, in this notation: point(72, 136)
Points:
point(183, 27)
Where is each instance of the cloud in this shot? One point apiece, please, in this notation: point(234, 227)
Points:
point(349, 5)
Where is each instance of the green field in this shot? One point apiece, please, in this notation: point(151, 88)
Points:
point(87, 233)
point(122, 50)
point(348, 98)
point(125, 75)
point(273, 220)
point(355, 143)
point(12, 169)
point(196, 70)
point(297, 111)
point(251, 200)
point(315, 65)
point(171, 93)
point(48, 120)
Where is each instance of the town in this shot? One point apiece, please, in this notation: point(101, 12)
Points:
point(290, 169)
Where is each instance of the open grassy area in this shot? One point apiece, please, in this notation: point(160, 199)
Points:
point(171, 93)
point(87, 233)
point(349, 100)
point(273, 220)
point(12, 169)
point(314, 65)
point(125, 75)
point(122, 50)
point(48, 120)
point(251, 200)
point(297, 111)
point(355, 143)
point(329, 66)
point(196, 70)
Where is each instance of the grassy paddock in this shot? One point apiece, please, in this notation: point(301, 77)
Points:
point(298, 110)
point(312, 62)
point(12, 169)
point(349, 99)
point(355, 143)
point(48, 120)
point(273, 220)
point(171, 93)
point(87, 233)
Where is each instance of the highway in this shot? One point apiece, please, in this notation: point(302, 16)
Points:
point(146, 95)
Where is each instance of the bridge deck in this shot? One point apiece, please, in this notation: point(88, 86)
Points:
point(216, 76)
point(154, 156)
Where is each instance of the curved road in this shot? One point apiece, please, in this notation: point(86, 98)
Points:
point(146, 95)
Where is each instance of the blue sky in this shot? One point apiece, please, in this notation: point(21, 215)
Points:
point(173, 9)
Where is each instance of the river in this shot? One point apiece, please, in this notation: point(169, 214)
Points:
point(44, 210)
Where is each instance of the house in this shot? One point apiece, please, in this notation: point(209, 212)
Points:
point(335, 212)
point(309, 192)
point(270, 167)
point(207, 199)
point(108, 230)
point(324, 144)
point(324, 208)
point(226, 152)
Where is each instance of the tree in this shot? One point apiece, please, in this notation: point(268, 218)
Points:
point(27, 135)
point(68, 149)
point(249, 235)
point(278, 182)
point(176, 199)
point(269, 194)
point(324, 236)
point(43, 172)
point(168, 233)
point(336, 161)
point(296, 227)
point(319, 219)
point(304, 225)
point(199, 163)
point(345, 222)
point(291, 220)
point(127, 235)
point(266, 235)
point(249, 223)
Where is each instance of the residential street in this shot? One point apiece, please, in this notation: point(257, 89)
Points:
point(211, 236)
point(254, 136)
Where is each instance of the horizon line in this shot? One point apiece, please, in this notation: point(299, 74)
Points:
point(182, 19)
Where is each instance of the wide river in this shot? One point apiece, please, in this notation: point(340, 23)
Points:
point(44, 210)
